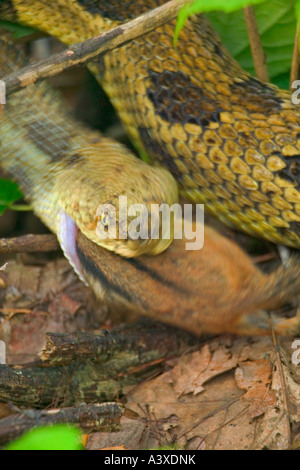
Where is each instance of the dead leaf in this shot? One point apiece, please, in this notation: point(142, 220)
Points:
point(195, 369)
point(216, 418)
point(133, 435)
point(256, 377)
point(69, 304)
point(185, 376)
point(58, 302)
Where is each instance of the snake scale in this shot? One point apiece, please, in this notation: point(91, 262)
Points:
point(229, 140)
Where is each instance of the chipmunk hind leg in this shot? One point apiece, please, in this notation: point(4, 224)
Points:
point(259, 324)
point(274, 290)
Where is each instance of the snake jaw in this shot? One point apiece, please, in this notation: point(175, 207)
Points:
point(67, 232)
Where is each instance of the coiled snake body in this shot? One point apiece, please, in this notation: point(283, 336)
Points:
point(231, 141)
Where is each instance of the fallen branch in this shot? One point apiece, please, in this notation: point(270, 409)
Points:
point(82, 53)
point(104, 417)
point(29, 244)
point(282, 381)
point(91, 368)
point(140, 340)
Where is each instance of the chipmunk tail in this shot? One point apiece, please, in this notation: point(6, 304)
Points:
point(283, 284)
point(278, 288)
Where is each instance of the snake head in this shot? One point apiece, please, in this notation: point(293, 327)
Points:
point(114, 199)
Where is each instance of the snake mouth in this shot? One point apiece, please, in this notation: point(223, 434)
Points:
point(67, 235)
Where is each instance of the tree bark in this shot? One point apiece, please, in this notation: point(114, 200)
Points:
point(29, 244)
point(104, 417)
point(91, 368)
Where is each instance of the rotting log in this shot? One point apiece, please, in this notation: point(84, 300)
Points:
point(92, 368)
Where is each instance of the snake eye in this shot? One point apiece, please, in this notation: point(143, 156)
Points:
point(104, 220)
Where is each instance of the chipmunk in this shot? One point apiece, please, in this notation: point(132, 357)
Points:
point(216, 289)
point(213, 290)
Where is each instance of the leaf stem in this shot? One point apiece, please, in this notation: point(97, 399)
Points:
point(20, 207)
point(295, 59)
point(258, 54)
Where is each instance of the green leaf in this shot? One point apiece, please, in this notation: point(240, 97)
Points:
point(18, 30)
point(200, 6)
point(297, 7)
point(58, 437)
point(9, 193)
point(282, 81)
point(277, 26)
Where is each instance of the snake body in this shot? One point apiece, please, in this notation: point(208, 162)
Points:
point(73, 176)
point(67, 170)
point(231, 141)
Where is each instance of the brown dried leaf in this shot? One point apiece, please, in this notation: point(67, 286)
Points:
point(58, 302)
point(195, 369)
point(256, 377)
point(216, 418)
point(185, 376)
point(70, 304)
point(133, 435)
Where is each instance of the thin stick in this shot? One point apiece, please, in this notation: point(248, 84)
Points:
point(81, 53)
point(258, 54)
point(11, 312)
point(264, 257)
point(209, 415)
point(282, 380)
point(295, 59)
point(221, 426)
point(14, 311)
point(29, 244)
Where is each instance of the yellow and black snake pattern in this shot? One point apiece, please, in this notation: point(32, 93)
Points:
point(231, 141)
point(73, 176)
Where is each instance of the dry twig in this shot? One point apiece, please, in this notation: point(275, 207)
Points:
point(84, 52)
point(282, 380)
point(29, 244)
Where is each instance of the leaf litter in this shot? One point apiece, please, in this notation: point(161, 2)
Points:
point(226, 395)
